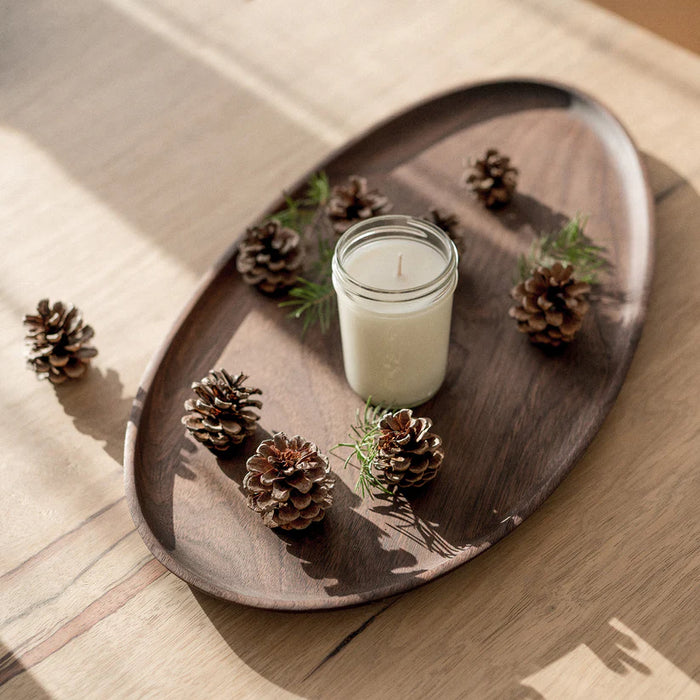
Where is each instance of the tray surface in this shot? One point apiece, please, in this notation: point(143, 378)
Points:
point(513, 418)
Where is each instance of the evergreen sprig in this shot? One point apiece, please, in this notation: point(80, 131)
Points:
point(312, 298)
point(364, 436)
point(299, 213)
point(569, 246)
point(312, 302)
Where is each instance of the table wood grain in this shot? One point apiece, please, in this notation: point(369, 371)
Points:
point(137, 137)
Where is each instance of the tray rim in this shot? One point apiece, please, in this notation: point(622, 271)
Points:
point(470, 551)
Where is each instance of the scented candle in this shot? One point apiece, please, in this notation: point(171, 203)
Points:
point(395, 277)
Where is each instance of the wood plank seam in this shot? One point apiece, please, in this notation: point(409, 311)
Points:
point(43, 552)
point(73, 581)
point(350, 637)
point(107, 604)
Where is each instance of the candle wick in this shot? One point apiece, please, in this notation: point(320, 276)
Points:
point(399, 269)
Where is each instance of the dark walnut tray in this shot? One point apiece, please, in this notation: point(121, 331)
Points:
point(514, 419)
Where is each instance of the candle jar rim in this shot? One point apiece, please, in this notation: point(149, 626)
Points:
point(396, 226)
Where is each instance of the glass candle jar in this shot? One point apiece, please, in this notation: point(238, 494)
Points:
point(394, 278)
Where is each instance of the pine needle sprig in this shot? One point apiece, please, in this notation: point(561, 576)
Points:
point(312, 302)
point(569, 246)
point(298, 213)
point(290, 216)
point(312, 298)
point(364, 446)
point(318, 190)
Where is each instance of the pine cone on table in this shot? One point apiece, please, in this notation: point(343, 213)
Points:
point(221, 417)
point(270, 256)
point(493, 179)
point(409, 454)
point(353, 202)
point(58, 341)
point(551, 305)
point(288, 482)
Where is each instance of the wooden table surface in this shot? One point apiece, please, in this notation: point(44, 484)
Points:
point(137, 138)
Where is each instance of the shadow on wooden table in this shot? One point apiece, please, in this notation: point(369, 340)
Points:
point(549, 596)
point(98, 408)
point(162, 137)
point(22, 683)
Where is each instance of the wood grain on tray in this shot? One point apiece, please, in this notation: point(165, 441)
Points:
point(513, 418)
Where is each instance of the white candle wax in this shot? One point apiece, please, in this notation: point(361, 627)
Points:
point(395, 311)
point(376, 264)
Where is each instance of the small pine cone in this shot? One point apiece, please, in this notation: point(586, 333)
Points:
point(449, 223)
point(221, 417)
point(551, 305)
point(288, 482)
point(409, 454)
point(493, 179)
point(57, 342)
point(270, 256)
point(353, 202)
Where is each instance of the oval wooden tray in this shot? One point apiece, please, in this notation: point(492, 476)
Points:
point(513, 418)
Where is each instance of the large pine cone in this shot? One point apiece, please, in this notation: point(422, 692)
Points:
point(221, 417)
point(409, 454)
point(270, 256)
point(288, 482)
point(353, 202)
point(493, 179)
point(57, 342)
point(551, 305)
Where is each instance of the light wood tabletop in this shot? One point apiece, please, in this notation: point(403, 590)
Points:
point(138, 139)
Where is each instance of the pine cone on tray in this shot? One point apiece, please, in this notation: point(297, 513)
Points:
point(353, 202)
point(222, 416)
point(449, 223)
point(551, 305)
point(409, 454)
point(57, 342)
point(289, 482)
point(493, 179)
point(270, 256)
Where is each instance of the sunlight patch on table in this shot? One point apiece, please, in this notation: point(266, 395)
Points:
point(644, 673)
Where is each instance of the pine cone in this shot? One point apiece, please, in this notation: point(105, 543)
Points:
point(409, 454)
point(493, 179)
point(551, 304)
point(270, 256)
point(288, 482)
point(57, 342)
point(449, 223)
point(353, 202)
point(221, 417)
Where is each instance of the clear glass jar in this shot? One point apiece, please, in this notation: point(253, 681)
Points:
point(395, 277)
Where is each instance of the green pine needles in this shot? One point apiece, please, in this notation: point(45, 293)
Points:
point(299, 213)
point(364, 448)
point(569, 246)
point(312, 298)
